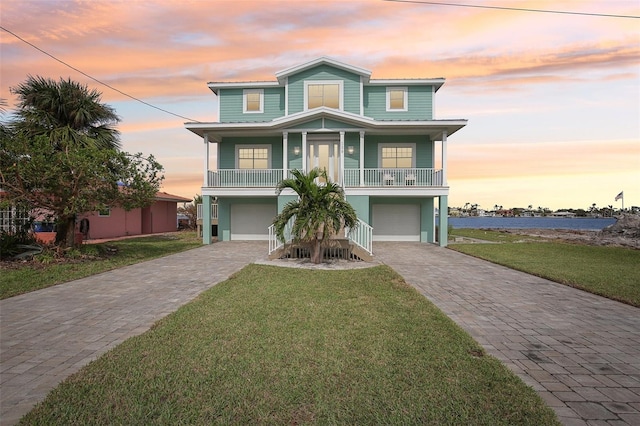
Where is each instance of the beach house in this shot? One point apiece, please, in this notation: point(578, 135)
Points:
point(377, 138)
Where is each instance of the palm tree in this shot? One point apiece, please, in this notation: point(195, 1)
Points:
point(320, 211)
point(66, 112)
point(69, 117)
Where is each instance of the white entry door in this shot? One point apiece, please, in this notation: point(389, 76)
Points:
point(325, 155)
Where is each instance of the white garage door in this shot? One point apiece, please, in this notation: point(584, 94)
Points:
point(251, 221)
point(396, 222)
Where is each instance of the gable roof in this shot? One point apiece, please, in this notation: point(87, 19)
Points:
point(324, 60)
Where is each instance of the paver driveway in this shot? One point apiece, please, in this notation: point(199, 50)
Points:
point(49, 334)
point(581, 352)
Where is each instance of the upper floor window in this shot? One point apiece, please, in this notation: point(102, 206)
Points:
point(397, 98)
point(252, 100)
point(323, 93)
point(395, 156)
point(252, 157)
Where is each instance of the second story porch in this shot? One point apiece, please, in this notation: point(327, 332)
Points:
point(378, 177)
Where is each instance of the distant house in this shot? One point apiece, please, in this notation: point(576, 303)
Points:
point(161, 216)
point(377, 138)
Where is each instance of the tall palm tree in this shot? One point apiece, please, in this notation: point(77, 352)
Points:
point(320, 211)
point(69, 117)
point(68, 113)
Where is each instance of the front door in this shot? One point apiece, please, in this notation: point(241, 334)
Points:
point(324, 155)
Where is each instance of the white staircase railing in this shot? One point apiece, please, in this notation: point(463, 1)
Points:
point(274, 242)
point(361, 235)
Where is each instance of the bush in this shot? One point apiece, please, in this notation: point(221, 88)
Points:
point(11, 242)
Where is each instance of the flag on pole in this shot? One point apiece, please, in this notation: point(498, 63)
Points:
point(620, 195)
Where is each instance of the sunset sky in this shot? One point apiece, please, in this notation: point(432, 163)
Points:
point(553, 100)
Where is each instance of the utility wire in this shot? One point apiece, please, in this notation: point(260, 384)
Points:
point(96, 80)
point(516, 9)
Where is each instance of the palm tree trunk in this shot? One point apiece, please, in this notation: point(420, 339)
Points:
point(316, 251)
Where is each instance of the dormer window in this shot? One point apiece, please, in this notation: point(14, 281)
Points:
point(252, 100)
point(323, 94)
point(397, 98)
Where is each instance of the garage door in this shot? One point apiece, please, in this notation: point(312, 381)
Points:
point(396, 222)
point(251, 221)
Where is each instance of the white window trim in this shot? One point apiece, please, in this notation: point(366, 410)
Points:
point(245, 92)
point(340, 84)
point(406, 98)
point(108, 209)
point(397, 145)
point(239, 147)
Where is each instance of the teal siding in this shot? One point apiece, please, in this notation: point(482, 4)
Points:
point(352, 161)
point(351, 99)
point(231, 106)
point(424, 149)
point(420, 99)
point(228, 150)
point(295, 161)
point(361, 205)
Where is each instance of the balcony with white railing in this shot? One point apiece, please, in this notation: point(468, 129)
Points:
point(370, 177)
point(385, 177)
point(244, 178)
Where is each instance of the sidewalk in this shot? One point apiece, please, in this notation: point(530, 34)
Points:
point(49, 334)
point(580, 352)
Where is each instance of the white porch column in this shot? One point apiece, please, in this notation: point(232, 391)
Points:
point(361, 158)
point(341, 153)
point(285, 154)
point(304, 152)
point(206, 160)
point(444, 159)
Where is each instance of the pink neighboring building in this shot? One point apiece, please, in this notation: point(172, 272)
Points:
point(161, 216)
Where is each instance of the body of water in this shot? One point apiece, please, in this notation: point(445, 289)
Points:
point(582, 223)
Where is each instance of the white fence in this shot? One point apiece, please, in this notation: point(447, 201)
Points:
point(12, 218)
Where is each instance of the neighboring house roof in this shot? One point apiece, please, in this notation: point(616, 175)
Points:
point(164, 196)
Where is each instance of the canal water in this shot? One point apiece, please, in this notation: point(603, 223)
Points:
point(578, 223)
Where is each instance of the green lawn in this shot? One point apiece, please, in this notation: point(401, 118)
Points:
point(90, 259)
point(292, 346)
point(608, 271)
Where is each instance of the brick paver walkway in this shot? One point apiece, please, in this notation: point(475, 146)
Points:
point(579, 351)
point(47, 335)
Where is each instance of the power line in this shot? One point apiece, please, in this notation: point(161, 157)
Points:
point(96, 80)
point(516, 9)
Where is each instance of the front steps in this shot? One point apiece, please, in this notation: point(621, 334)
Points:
point(335, 248)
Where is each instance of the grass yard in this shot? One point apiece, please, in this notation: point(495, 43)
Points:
point(611, 272)
point(47, 270)
point(291, 346)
